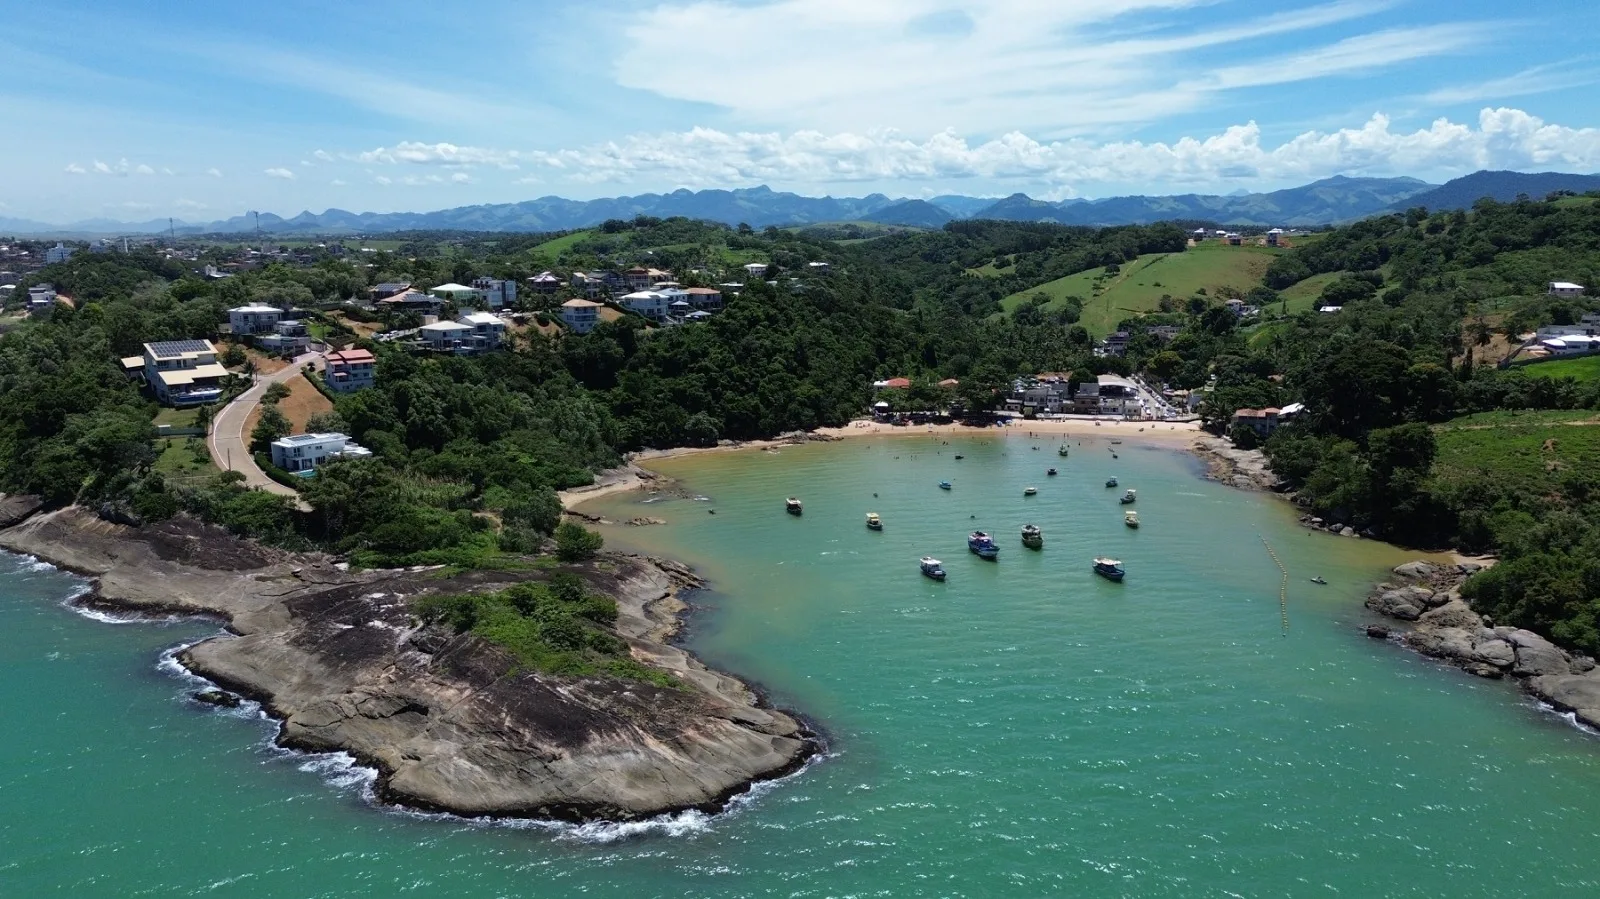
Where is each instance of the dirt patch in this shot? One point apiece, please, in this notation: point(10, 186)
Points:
point(302, 402)
point(362, 329)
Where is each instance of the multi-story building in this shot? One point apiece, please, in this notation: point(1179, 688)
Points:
point(58, 253)
point(253, 319)
point(581, 315)
point(652, 304)
point(708, 299)
point(473, 332)
point(303, 452)
point(287, 337)
point(350, 370)
point(180, 372)
point(498, 294)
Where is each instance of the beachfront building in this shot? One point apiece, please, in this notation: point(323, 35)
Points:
point(581, 315)
point(303, 452)
point(1265, 421)
point(350, 370)
point(179, 372)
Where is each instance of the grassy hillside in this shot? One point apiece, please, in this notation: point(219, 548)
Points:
point(1584, 368)
point(558, 245)
point(1138, 288)
point(1304, 295)
point(1529, 451)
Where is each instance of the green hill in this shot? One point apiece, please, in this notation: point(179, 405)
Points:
point(1139, 286)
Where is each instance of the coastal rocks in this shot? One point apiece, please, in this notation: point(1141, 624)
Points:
point(1454, 613)
point(219, 698)
point(1245, 469)
point(16, 508)
point(1405, 603)
point(645, 522)
point(1377, 632)
point(1418, 570)
point(1578, 694)
point(1535, 656)
point(448, 720)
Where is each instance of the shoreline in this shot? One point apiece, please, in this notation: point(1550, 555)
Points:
point(416, 705)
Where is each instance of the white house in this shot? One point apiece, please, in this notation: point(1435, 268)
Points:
point(58, 253)
point(818, 268)
point(1274, 236)
point(180, 372)
point(581, 315)
point(473, 332)
point(41, 301)
point(756, 270)
point(652, 304)
point(350, 370)
point(460, 294)
point(496, 293)
point(1565, 289)
point(290, 337)
point(253, 319)
point(303, 452)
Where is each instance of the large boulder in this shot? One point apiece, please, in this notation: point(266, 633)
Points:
point(1536, 656)
point(1454, 613)
point(1405, 603)
point(1452, 643)
point(1495, 652)
point(1418, 570)
point(16, 508)
point(1575, 693)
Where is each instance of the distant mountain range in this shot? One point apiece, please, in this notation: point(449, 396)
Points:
point(1329, 201)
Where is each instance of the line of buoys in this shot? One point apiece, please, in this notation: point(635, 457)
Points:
point(1283, 588)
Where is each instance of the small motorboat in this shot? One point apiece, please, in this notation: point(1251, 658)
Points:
point(1129, 497)
point(1032, 537)
point(944, 485)
point(1110, 569)
point(959, 457)
point(1131, 519)
point(874, 523)
point(792, 506)
point(933, 568)
point(1319, 579)
point(982, 545)
point(1029, 491)
point(1111, 482)
point(1062, 451)
point(1051, 472)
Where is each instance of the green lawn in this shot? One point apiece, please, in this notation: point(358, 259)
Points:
point(1584, 368)
point(184, 457)
point(178, 418)
point(1305, 295)
point(1528, 450)
point(1138, 288)
point(987, 270)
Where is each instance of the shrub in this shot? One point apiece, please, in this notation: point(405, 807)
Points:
point(574, 543)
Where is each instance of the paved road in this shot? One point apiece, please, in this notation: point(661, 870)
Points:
point(230, 445)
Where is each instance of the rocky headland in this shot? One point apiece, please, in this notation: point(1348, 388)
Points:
point(1437, 622)
point(447, 719)
point(1228, 464)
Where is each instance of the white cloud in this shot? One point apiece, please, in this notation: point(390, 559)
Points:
point(190, 205)
point(440, 154)
point(461, 178)
point(322, 156)
point(122, 167)
point(101, 168)
point(167, 171)
point(338, 182)
point(305, 163)
point(1535, 80)
point(285, 174)
point(383, 179)
point(74, 169)
point(1061, 65)
point(144, 170)
point(131, 205)
point(1502, 138)
point(214, 172)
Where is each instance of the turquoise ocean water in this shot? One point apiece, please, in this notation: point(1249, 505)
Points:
point(1025, 729)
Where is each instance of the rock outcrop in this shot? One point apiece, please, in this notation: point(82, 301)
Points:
point(447, 719)
point(1451, 631)
point(1245, 469)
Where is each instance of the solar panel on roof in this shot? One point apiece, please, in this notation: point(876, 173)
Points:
point(179, 347)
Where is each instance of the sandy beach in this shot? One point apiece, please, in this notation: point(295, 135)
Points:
point(633, 476)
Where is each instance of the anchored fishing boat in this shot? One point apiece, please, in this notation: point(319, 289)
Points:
point(1029, 491)
point(933, 568)
point(1032, 537)
point(1111, 482)
point(874, 523)
point(944, 485)
point(1131, 519)
point(1051, 472)
point(792, 506)
point(1062, 452)
point(982, 545)
point(1129, 497)
point(1110, 569)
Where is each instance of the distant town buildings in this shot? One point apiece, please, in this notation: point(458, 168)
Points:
point(58, 253)
point(304, 452)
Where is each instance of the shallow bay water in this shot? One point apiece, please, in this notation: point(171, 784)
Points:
point(1023, 729)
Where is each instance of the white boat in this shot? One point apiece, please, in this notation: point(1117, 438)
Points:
point(792, 506)
point(874, 523)
point(1032, 537)
point(1030, 491)
point(933, 568)
point(1131, 519)
point(1129, 497)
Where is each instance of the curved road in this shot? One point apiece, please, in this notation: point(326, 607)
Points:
point(230, 445)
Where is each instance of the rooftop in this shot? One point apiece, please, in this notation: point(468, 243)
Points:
point(257, 308)
point(581, 304)
point(482, 318)
point(177, 349)
point(446, 327)
point(350, 357)
point(452, 287)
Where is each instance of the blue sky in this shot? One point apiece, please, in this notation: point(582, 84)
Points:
point(203, 110)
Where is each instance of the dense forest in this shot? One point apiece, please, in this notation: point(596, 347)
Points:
point(470, 451)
